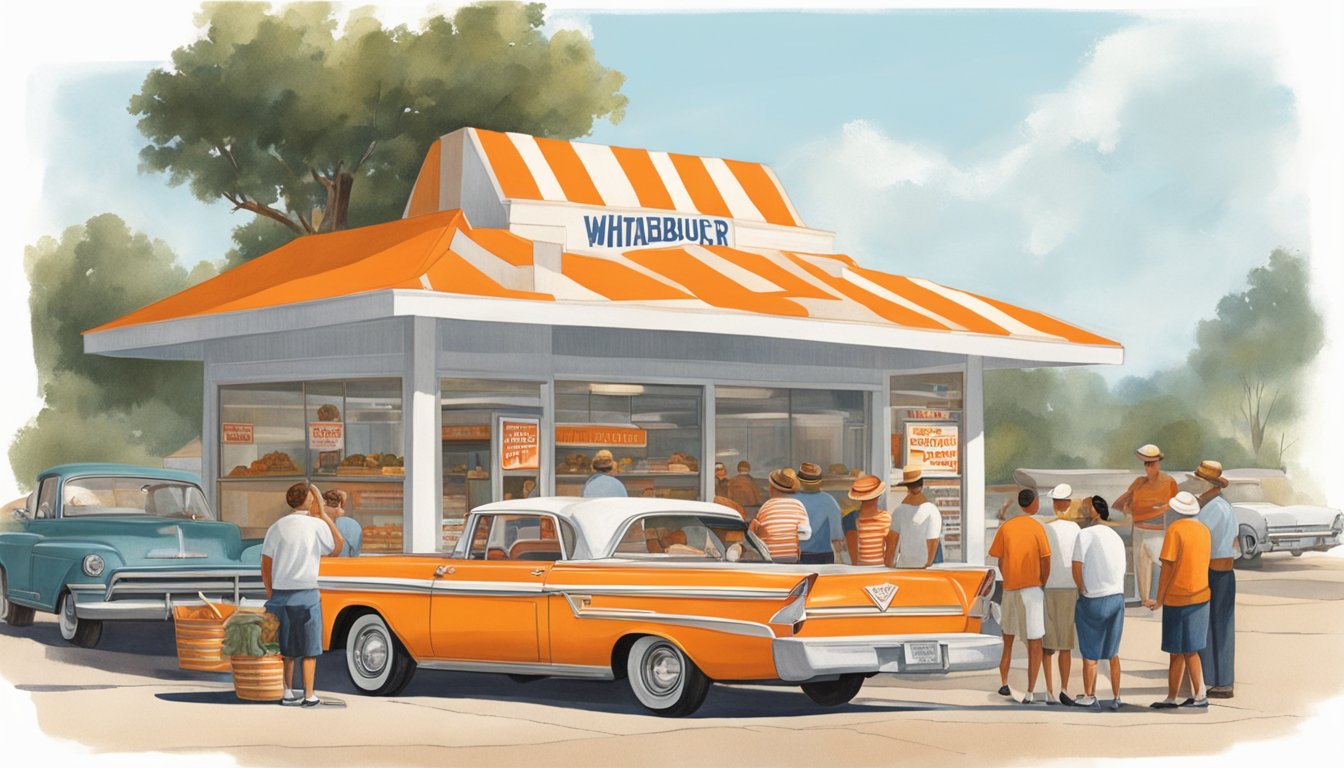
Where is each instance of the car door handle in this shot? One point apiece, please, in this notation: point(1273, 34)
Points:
point(539, 571)
point(444, 570)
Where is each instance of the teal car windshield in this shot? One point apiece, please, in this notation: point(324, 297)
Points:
point(88, 496)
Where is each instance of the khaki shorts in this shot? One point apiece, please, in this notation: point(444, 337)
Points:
point(1024, 613)
point(1059, 626)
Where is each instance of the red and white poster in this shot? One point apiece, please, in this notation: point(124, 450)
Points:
point(235, 433)
point(326, 435)
point(519, 444)
point(936, 446)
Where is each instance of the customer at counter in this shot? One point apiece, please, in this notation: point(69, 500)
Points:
point(782, 522)
point(823, 514)
point(350, 529)
point(601, 484)
point(871, 541)
point(742, 488)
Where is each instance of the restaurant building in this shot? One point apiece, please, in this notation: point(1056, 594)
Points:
point(543, 299)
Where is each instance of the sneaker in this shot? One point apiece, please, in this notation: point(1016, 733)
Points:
point(1116, 704)
point(1164, 704)
point(1034, 698)
point(1083, 701)
point(1067, 700)
point(1202, 702)
point(291, 699)
point(1050, 700)
point(1003, 691)
point(1220, 692)
point(313, 702)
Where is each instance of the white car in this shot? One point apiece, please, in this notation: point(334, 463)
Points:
point(1269, 521)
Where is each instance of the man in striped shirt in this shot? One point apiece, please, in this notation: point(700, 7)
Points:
point(782, 521)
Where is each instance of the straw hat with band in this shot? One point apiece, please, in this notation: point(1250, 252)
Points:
point(809, 475)
point(1185, 503)
point(603, 459)
point(784, 480)
point(866, 487)
point(1210, 470)
point(1149, 453)
point(911, 474)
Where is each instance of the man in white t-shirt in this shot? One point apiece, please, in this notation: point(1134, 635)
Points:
point(1061, 595)
point(290, 555)
point(917, 523)
point(1098, 571)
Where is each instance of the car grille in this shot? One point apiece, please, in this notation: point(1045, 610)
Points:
point(185, 584)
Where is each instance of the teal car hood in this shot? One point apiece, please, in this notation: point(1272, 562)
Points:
point(155, 541)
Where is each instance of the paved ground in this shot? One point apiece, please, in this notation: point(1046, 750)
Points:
point(129, 695)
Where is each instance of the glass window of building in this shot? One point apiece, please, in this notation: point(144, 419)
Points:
point(926, 428)
point(653, 432)
point(758, 430)
point(491, 447)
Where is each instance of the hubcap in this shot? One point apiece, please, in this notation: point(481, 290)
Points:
point(68, 619)
point(371, 653)
point(662, 669)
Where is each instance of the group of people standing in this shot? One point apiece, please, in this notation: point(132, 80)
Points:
point(1063, 585)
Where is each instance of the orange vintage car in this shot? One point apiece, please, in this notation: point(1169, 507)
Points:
point(668, 595)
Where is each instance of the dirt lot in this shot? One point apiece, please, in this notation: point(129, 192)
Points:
point(129, 696)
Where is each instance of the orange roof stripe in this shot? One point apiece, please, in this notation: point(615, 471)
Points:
point(504, 244)
point(453, 274)
point(425, 193)
point(763, 191)
point(943, 306)
point(515, 180)
point(754, 262)
point(700, 185)
point(711, 286)
point(1046, 323)
point(889, 310)
point(643, 176)
point(570, 171)
point(616, 281)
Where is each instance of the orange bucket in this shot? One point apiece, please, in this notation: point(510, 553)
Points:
point(200, 635)
point(258, 678)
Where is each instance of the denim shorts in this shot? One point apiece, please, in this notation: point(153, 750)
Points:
point(1185, 628)
point(1100, 622)
point(300, 615)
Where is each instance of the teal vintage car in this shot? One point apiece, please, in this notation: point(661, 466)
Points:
point(108, 542)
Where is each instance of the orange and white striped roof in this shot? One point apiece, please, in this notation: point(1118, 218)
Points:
point(523, 167)
point(442, 254)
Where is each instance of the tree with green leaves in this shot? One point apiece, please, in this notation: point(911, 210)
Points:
point(315, 128)
point(99, 408)
point(1256, 349)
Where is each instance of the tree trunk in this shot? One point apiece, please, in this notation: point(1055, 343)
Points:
point(338, 200)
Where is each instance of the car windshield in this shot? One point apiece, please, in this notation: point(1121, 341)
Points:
point(85, 496)
point(689, 537)
point(1245, 493)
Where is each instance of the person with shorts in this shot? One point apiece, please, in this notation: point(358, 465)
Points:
point(1024, 561)
point(290, 554)
point(1061, 595)
point(1098, 570)
point(1183, 592)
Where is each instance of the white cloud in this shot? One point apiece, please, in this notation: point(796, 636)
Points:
point(568, 21)
point(1128, 201)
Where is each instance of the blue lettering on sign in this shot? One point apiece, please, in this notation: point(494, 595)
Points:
point(616, 231)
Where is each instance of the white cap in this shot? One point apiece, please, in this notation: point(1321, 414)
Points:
point(1185, 503)
point(1061, 491)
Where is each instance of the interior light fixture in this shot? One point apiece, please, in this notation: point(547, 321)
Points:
point(616, 389)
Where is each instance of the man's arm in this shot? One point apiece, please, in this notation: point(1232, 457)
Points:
point(1045, 569)
point(1078, 575)
point(338, 541)
point(266, 565)
point(1163, 582)
point(933, 552)
point(889, 557)
point(852, 544)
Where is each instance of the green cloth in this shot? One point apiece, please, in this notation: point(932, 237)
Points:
point(242, 636)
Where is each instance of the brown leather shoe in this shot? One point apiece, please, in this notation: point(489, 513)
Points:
point(1220, 692)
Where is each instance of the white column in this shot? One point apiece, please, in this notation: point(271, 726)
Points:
point(420, 412)
point(973, 460)
point(882, 421)
point(709, 443)
point(210, 439)
point(546, 475)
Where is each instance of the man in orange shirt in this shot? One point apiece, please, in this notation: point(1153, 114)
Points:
point(1183, 591)
point(1145, 502)
point(1024, 561)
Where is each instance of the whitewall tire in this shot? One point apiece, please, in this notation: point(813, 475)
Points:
point(664, 679)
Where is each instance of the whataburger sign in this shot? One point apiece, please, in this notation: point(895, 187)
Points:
point(614, 230)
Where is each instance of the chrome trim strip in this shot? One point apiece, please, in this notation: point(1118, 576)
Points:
point(375, 584)
point(448, 586)
point(712, 623)
point(1302, 534)
point(174, 573)
point(649, 590)
point(840, 611)
point(86, 587)
point(521, 668)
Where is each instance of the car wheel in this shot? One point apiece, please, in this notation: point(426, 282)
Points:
point(833, 693)
point(378, 663)
point(82, 632)
point(664, 680)
point(1297, 552)
point(14, 615)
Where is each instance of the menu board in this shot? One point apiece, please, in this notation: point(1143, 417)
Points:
point(519, 444)
point(935, 445)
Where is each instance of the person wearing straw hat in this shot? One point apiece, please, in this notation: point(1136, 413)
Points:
point(1183, 593)
point(1146, 501)
point(601, 484)
point(782, 522)
point(1098, 570)
point(871, 541)
point(823, 514)
point(1023, 552)
point(917, 522)
point(1218, 655)
point(1061, 594)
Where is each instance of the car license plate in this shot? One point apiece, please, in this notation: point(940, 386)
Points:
point(922, 653)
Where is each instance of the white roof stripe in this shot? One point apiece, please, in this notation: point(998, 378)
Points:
point(797, 220)
point(536, 163)
point(743, 277)
point(739, 203)
point(988, 311)
point(681, 199)
point(424, 280)
point(607, 175)
point(896, 298)
point(497, 269)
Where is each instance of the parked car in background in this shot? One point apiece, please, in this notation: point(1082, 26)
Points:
point(1270, 520)
point(668, 595)
point(107, 542)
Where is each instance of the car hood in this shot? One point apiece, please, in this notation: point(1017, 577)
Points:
point(1295, 514)
point(155, 541)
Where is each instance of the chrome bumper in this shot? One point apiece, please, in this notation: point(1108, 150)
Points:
point(132, 595)
point(799, 659)
point(1284, 540)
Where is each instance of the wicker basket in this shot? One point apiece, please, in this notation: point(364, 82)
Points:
point(258, 678)
point(199, 640)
